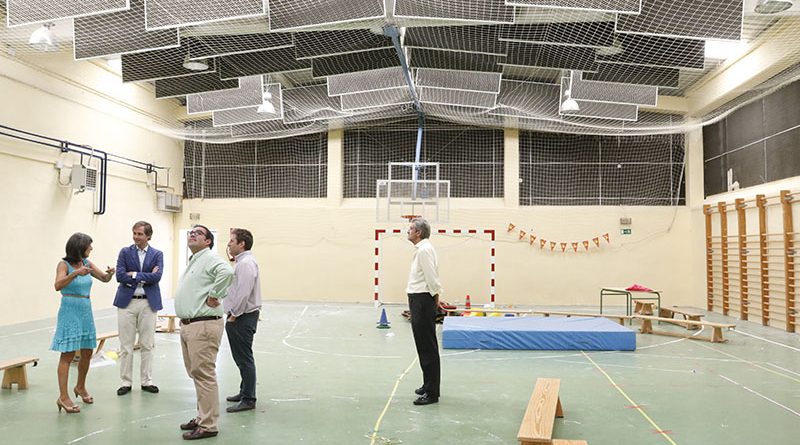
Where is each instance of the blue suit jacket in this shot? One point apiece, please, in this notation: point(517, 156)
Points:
point(128, 261)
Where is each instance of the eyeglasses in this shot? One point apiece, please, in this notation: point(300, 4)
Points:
point(197, 232)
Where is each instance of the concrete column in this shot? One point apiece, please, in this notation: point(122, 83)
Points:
point(694, 169)
point(335, 167)
point(511, 167)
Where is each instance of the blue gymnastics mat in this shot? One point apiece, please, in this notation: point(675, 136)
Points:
point(538, 333)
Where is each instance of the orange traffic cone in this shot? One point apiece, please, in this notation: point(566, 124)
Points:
point(467, 305)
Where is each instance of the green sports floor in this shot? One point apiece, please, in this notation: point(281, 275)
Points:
point(326, 375)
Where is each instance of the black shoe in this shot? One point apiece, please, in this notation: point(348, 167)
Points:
point(149, 388)
point(241, 406)
point(425, 399)
point(190, 425)
point(236, 398)
point(199, 433)
point(122, 390)
point(420, 391)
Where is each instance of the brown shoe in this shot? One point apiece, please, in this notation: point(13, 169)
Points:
point(190, 425)
point(199, 433)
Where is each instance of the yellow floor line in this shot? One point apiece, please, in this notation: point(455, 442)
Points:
point(634, 404)
point(752, 363)
point(388, 402)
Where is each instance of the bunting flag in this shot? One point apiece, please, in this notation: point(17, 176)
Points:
point(531, 238)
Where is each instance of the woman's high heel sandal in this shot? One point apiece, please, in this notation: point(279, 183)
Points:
point(74, 409)
point(86, 399)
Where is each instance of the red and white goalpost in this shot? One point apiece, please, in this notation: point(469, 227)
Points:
point(465, 232)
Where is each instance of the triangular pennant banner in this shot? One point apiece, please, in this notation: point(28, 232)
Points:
point(563, 247)
point(511, 227)
point(542, 242)
point(575, 246)
point(552, 245)
point(586, 245)
point(596, 241)
point(522, 234)
point(605, 235)
point(533, 238)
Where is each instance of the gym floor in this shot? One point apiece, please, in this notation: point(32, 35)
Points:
point(327, 375)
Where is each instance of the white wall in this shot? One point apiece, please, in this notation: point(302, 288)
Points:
point(38, 215)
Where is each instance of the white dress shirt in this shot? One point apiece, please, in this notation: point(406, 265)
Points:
point(424, 274)
point(244, 295)
point(139, 292)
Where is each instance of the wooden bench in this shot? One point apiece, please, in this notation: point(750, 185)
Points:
point(620, 318)
point(688, 313)
point(170, 323)
point(14, 371)
point(543, 408)
point(642, 307)
point(716, 335)
point(101, 339)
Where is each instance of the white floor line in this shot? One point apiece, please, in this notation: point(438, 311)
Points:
point(768, 341)
point(311, 351)
point(783, 369)
point(762, 396)
point(296, 322)
point(642, 368)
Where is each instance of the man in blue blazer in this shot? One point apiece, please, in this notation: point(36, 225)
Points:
point(138, 300)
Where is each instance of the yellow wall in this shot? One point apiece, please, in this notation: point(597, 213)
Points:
point(310, 252)
point(38, 215)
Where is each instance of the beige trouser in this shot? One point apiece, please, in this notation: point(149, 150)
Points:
point(136, 318)
point(200, 343)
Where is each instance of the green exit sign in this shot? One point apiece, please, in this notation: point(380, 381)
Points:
point(624, 231)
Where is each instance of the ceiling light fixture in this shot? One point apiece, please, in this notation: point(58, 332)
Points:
point(569, 105)
point(194, 65)
point(266, 105)
point(43, 38)
point(773, 6)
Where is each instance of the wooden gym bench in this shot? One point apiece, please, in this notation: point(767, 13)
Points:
point(14, 371)
point(716, 335)
point(101, 340)
point(688, 313)
point(620, 318)
point(170, 323)
point(543, 408)
point(644, 307)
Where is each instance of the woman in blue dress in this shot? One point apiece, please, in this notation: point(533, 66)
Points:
point(75, 328)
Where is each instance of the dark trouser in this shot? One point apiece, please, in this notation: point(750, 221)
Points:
point(240, 336)
point(423, 325)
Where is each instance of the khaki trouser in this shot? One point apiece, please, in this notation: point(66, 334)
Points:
point(200, 343)
point(136, 318)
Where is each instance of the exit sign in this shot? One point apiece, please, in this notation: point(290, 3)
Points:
point(624, 231)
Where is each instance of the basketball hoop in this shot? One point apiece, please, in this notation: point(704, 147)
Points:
point(420, 191)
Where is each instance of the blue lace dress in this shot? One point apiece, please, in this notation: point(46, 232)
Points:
point(75, 327)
